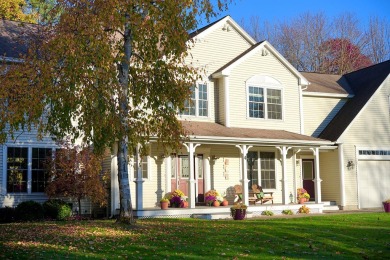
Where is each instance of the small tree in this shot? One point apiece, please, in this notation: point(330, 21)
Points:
point(342, 56)
point(77, 173)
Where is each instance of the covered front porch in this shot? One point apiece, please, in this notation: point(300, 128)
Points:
point(219, 158)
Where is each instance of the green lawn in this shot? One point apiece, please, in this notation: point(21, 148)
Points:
point(340, 236)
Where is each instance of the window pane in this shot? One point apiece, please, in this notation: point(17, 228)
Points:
point(144, 167)
point(185, 167)
point(39, 173)
point(200, 167)
point(274, 103)
point(173, 167)
point(202, 96)
point(17, 163)
point(189, 105)
point(256, 102)
point(267, 160)
point(252, 168)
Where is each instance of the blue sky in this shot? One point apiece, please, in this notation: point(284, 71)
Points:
point(284, 10)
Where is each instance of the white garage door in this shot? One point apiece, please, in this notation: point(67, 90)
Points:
point(374, 183)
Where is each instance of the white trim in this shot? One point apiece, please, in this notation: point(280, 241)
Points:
point(230, 140)
point(196, 94)
point(323, 94)
point(342, 174)
point(301, 115)
point(264, 45)
point(227, 100)
point(264, 82)
point(219, 24)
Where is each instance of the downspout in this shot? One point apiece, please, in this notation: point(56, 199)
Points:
point(227, 100)
point(301, 88)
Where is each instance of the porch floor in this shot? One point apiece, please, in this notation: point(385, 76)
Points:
point(223, 212)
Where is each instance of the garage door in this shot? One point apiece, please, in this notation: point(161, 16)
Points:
point(374, 183)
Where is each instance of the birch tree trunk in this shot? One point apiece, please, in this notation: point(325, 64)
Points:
point(126, 209)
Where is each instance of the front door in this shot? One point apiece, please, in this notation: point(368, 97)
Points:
point(308, 177)
point(180, 174)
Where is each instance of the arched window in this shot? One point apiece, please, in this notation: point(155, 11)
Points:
point(264, 97)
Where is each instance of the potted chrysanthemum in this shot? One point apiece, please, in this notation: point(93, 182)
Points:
point(238, 211)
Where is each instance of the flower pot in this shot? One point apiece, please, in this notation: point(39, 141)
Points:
point(225, 203)
point(302, 200)
point(184, 204)
point(164, 204)
point(386, 206)
point(239, 214)
point(216, 203)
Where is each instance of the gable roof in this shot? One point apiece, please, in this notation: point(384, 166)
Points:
point(364, 83)
point(216, 133)
point(225, 70)
point(13, 38)
point(224, 20)
point(326, 83)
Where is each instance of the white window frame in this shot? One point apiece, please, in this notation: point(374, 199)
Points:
point(29, 166)
point(266, 83)
point(197, 101)
point(133, 168)
point(259, 179)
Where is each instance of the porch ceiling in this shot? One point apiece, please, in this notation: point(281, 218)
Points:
point(216, 133)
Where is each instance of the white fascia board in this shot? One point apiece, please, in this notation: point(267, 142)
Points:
point(225, 72)
point(323, 94)
point(301, 79)
point(229, 140)
point(232, 23)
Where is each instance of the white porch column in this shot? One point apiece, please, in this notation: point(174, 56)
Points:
point(138, 182)
point(191, 186)
point(244, 181)
point(342, 174)
point(227, 100)
point(317, 180)
point(285, 196)
point(206, 169)
point(114, 179)
point(168, 173)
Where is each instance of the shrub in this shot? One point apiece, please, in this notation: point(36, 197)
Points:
point(267, 213)
point(57, 209)
point(287, 212)
point(304, 210)
point(7, 215)
point(29, 211)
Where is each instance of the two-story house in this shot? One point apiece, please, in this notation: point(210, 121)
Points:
point(255, 119)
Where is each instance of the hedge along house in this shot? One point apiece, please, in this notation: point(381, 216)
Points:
point(254, 119)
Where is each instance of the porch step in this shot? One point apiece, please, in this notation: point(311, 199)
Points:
point(330, 205)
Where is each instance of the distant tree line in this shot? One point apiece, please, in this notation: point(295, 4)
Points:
point(313, 42)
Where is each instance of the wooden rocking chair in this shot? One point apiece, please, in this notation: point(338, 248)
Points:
point(262, 196)
point(238, 193)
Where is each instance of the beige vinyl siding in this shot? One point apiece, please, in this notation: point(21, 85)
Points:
point(216, 49)
point(210, 53)
point(330, 176)
point(371, 128)
point(270, 66)
point(318, 112)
